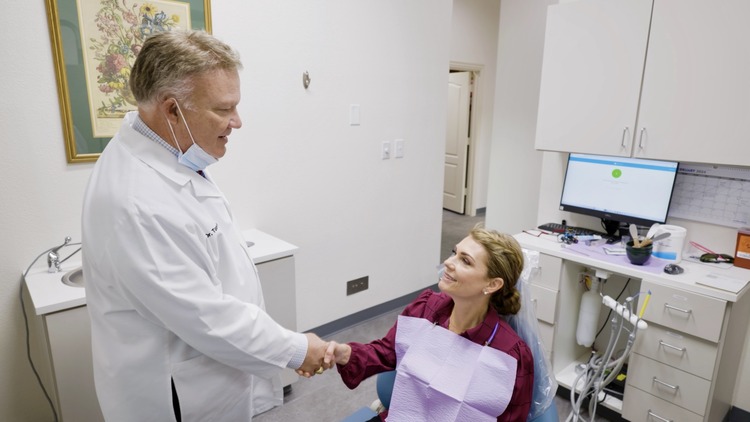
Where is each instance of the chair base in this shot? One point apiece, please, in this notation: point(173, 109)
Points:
point(361, 415)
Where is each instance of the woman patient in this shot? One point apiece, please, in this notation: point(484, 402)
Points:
point(456, 357)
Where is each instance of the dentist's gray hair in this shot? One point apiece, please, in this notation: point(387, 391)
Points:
point(168, 61)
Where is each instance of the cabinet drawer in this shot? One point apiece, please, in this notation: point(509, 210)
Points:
point(670, 384)
point(639, 406)
point(691, 313)
point(547, 335)
point(687, 353)
point(544, 302)
point(549, 274)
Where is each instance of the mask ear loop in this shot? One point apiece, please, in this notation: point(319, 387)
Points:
point(174, 137)
point(179, 110)
point(171, 130)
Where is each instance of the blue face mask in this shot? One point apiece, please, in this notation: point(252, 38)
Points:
point(195, 157)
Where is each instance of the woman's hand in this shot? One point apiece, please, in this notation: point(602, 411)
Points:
point(335, 353)
point(338, 353)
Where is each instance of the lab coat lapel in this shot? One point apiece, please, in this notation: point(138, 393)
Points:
point(164, 162)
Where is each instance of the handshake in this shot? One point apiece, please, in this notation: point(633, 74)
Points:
point(322, 355)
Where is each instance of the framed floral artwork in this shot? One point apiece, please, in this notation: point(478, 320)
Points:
point(94, 46)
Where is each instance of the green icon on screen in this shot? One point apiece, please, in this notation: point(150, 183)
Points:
point(616, 173)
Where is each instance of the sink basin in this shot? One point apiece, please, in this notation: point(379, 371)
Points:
point(74, 277)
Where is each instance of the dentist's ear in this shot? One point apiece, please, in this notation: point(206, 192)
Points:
point(168, 108)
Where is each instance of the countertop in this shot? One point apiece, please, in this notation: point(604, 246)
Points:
point(49, 294)
point(691, 280)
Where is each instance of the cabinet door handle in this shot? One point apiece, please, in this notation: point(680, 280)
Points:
point(679, 349)
point(654, 415)
point(624, 132)
point(673, 387)
point(640, 138)
point(686, 311)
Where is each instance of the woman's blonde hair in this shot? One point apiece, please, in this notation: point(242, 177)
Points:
point(504, 260)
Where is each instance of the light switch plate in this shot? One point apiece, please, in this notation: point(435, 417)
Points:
point(354, 115)
point(398, 148)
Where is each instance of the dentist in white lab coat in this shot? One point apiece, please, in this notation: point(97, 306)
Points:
point(179, 330)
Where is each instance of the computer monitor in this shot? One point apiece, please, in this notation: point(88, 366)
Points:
point(619, 189)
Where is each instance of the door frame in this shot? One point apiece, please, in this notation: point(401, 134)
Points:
point(474, 118)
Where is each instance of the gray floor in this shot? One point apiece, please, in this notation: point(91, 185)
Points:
point(324, 397)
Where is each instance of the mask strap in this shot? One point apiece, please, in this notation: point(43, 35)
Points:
point(179, 110)
point(179, 150)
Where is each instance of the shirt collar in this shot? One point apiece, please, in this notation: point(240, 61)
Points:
point(140, 126)
point(478, 334)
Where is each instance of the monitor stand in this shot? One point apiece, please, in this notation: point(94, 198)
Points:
point(613, 230)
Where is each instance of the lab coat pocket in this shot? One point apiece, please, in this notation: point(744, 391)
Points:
point(211, 391)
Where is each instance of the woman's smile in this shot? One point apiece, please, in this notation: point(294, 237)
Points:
point(448, 279)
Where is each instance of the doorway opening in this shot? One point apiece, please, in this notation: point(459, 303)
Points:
point(459, 211)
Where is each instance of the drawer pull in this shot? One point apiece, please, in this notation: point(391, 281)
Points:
point(654, 415)
point(673, 387)
point(679, 349)
point(686, 311)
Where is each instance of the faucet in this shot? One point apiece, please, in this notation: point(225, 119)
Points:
point(53, 259)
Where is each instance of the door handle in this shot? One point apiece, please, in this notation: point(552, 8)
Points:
point(625, 131)
point(640, 138)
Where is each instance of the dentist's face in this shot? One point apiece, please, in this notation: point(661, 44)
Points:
point(465, 275)
point(213, 112)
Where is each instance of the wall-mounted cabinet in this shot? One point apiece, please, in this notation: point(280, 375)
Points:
point(662, 79)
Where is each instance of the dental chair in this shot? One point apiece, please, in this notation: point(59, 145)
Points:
point(384, 388)
point(525, 324)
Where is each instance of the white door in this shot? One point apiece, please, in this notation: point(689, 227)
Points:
point(457, 141)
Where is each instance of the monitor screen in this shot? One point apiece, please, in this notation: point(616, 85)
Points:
point(629, 190)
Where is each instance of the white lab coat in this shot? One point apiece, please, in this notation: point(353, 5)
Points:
point(172, 294)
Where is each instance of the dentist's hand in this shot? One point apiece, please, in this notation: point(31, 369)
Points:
point(315, 360)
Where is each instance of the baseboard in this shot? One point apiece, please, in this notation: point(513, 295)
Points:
point(334, 327)
point(737, 415)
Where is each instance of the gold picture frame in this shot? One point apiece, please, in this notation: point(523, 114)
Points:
point(94, 44)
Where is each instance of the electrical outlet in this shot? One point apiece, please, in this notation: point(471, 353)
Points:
point(357, 285)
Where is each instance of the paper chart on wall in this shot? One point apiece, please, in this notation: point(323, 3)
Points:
point(713, 194)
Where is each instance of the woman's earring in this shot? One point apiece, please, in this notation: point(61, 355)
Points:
point(485, 292)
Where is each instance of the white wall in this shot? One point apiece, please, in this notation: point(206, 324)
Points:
point(474, 42)
point(525, 185)
point(296, 169)
point(515, 170)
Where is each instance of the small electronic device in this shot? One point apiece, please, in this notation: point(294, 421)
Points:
point(673, 269)
point(622, 189)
